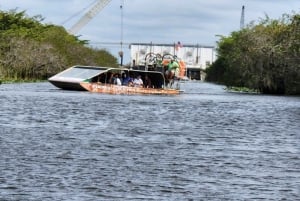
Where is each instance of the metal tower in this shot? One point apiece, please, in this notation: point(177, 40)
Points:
point(242, 22)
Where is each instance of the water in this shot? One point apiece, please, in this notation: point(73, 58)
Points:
point(206, 144)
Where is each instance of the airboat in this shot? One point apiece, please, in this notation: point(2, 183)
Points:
point(160, 75)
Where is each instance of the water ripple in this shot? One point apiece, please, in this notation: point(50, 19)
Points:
point(205, 144)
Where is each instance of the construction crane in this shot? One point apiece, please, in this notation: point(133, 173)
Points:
point(100, 4)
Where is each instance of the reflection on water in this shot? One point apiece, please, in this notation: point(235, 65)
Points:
point(204, 144)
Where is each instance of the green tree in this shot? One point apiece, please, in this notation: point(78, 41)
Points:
point(263, 57)
point(30, 49)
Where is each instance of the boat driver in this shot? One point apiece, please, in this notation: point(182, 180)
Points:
point(173, 67)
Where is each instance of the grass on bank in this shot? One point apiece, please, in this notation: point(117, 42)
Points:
point(11, 81)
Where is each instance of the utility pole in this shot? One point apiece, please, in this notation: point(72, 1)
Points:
point(242, 22)
point(121, 53)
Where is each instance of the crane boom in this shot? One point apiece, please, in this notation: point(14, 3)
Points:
point(88, 16)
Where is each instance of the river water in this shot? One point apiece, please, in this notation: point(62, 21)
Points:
point(205, 144)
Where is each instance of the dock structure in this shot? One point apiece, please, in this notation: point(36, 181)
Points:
point(197, 57)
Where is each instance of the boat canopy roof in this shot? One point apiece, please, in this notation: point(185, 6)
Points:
point(80, 73)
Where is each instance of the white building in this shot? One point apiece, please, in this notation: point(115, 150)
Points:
point(197, 57)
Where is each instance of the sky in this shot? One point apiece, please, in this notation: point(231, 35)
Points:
point(156, 21)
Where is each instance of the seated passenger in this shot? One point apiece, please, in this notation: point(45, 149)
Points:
point(125, 79)
point(138, 82)
point(111, 79)
point(130, 82)
point(147, 83)
point(117, 79)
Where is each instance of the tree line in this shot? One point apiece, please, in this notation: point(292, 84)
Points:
point(264, 56)
point(32, 50)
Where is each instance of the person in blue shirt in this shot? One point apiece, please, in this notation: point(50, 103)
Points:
point(125, 79)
